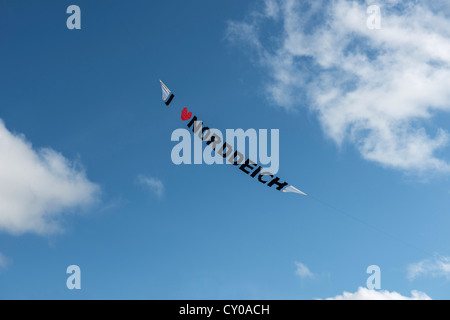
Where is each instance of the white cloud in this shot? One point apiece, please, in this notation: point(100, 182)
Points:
point(37, 186)
point(437, 267)
point(366, 294)
point(302, 271)
point(154, 184)
point(378, 89)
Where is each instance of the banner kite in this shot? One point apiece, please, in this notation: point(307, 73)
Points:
point(247, 166)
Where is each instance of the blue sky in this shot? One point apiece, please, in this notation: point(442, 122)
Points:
point(90, 99)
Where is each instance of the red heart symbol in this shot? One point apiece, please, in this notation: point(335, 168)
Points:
point(185, 115)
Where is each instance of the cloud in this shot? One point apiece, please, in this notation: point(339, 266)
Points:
point(366, 294)
point(302, 271)
point(437, 267)
point(38, 186)
point(154, 184)
point(377, 89)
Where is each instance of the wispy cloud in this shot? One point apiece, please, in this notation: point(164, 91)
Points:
point(38, 186)
point(303, 271)
point(436, 267)
point(366, 294)
point(3, 261)
point(378, 89)
point(155, 185)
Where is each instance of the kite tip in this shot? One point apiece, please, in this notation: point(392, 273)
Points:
point(294, 190)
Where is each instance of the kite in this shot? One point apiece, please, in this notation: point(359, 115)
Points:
point(167, 95)
point(224, 149)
